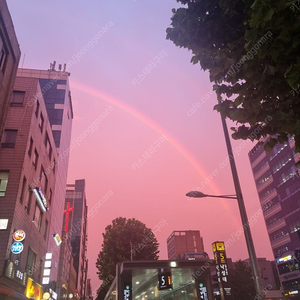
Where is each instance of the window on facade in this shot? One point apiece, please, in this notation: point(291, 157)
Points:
point(44, 180)
point(37, 218)
point(50, 197)
point(31, 257)
point(3, 54)
point(30, 147)
point(48, 145)
point(17, 98)
point(3, 182)
point(23, 191)
point(9, 138)
point(37, 109)
point(35, 158)
point(41, 122)
point(46, 229)
point(28, 203)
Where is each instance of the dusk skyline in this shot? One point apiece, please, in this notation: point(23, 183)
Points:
point(168, 118)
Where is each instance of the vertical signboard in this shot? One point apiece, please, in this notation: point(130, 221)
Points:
point(127, 292)
point(222, 270)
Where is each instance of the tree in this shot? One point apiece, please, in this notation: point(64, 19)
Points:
point(251, 50)
point(242, 281)
point(124, 239)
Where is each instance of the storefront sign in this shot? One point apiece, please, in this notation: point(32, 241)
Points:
point(41, 199)
point(17, 247)
point(222, 269)
point(19, 235)
point(165, 281)
point(33, 290)
point(3, 224)
point(57, 239)
point(14, 273)
point(127, 292)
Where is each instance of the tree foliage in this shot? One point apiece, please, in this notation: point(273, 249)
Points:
point(251, 50)
point(123, 239)
point(242, 281)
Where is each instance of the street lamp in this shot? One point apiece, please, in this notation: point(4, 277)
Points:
point(242, 209)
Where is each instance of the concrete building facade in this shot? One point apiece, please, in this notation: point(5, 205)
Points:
point(77, 229)
point(278, 185)
point(56, 93)
point(27, 183)
point(9, 59)
point(181, 242)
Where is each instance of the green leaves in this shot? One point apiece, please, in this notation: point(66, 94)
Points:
point(251, 51)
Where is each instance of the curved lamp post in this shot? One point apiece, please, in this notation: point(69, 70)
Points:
point(242, 209)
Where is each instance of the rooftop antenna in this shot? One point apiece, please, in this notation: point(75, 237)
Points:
point(65, 66)
point(53, 66)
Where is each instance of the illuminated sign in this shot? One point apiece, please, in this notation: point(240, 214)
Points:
point(46, 280)
point(222, 269)
point(286, 258)
point(202, 291)
point(3, 224)
point(48, 255)
point(57, 239)
point(165, 281)
point(16, 247)
point(33, 290)
point(293, 292)
point(127, 292)
point(13, 272)
point(41, 199)
point(19, 235)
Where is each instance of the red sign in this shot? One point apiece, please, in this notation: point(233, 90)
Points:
point(19, 235)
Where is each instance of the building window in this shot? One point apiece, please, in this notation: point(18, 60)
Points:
point(37, 108)
point(9, 138)
point(17, 98)
point(50, 197)
point(3, 182)
point(3, 55)
point(31, 257)
point(48, 146)
point(46, 229)
point(28, 204)
point(41, 122)
point(37, 218)
point(44, 180)
point(35, 158)
point(30, 147)
point(23, 191)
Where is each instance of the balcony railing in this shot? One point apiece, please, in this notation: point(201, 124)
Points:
point(276, 225)
point(259, 159)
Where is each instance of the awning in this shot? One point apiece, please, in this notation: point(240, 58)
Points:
point(20, 296)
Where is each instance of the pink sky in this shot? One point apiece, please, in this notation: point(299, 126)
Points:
point(138, 116)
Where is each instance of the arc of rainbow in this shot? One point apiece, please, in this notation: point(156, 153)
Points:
point(138, 115)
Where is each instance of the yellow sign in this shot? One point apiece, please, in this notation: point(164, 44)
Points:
point(33, 290)
point(218, 246)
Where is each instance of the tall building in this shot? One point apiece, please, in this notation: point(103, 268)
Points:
point(181, 243)
point(277, 181)
point(9, 59)
point(27, 182)
point(76, 213)
point(57, 96)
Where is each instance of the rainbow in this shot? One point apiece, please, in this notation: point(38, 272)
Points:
point(150, 123)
